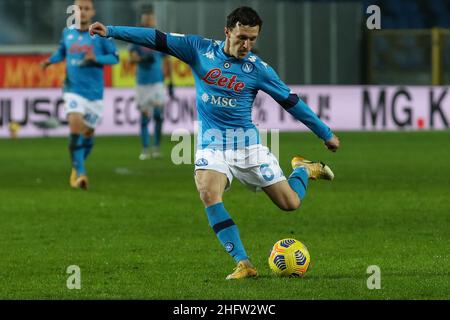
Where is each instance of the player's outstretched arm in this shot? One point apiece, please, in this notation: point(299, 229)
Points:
point(277, 89)
point(141, 36)
point(302, 112)
point(180, 46)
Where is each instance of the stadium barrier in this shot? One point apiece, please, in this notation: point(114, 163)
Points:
point(25, 112)
point(24, 71)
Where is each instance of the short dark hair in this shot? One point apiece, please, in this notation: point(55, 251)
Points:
point(244, 15)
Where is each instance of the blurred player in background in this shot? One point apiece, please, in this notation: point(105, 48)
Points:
point(83, 88)
point(228, 77)
point(150, 91)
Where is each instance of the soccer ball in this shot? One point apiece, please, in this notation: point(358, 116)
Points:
point(289, 258)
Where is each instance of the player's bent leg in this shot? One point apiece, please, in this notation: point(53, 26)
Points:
point(78, 178)
point(288, 195)
point(283, 195)
point(298, 181)
point(211, 185)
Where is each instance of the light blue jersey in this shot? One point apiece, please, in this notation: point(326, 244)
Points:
point(226, 87)
point(85, 79)
point(149, 69)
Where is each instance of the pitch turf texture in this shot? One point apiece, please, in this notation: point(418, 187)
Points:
point(141, 232)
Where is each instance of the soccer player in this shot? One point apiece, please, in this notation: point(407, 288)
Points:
point(150, 94)
point(228, 77)
point(83, 88)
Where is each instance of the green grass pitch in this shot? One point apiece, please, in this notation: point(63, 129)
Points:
point(141, 232)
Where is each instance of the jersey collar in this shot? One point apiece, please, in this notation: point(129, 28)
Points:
point(221, 54)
